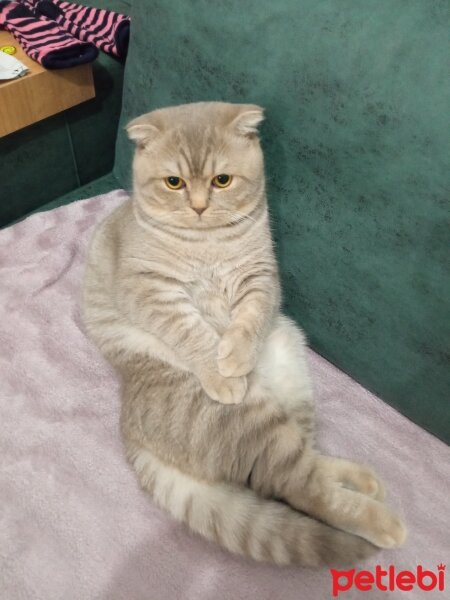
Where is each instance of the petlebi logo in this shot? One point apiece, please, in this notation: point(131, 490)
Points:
point(387, 580)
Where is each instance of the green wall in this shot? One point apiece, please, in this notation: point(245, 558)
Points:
point(357, 146)
point(55, 156)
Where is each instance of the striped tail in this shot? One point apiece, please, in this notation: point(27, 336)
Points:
point(244, 523)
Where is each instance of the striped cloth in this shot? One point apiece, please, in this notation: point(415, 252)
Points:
point(108, 30)
point(43, 40)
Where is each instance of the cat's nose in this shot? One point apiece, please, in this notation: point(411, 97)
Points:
point(199, 209)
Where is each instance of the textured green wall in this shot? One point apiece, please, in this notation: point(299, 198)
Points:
point(357, 145)
point(57, 155)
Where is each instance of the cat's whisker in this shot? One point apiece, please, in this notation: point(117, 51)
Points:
point(242, 217)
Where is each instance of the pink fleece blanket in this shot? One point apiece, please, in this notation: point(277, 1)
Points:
point(74, 523)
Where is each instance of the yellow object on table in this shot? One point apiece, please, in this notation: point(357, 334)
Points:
point(8, 49)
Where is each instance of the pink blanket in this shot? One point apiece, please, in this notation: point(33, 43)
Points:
point(74, 523)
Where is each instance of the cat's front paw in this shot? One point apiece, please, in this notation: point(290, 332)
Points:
point(226, 390)
point(384, 528)
point(236, 355)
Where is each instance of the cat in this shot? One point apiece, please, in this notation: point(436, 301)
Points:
point(182, 296)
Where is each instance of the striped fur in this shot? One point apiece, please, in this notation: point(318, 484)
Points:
point(243, 522)
point(217, 414)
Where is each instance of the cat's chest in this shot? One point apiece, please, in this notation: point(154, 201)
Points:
point(209, 290)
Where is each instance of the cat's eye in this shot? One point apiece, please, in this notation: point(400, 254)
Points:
point(174, 183)
point(222, 181)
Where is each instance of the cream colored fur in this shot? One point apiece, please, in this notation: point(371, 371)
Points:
point(182, 296)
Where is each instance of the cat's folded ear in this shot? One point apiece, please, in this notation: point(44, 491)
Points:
point(248, 118)
point(142, 131)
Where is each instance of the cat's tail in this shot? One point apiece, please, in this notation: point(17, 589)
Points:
point(244, 523)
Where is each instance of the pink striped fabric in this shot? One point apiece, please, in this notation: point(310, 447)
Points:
point(44, 40)
point(105, 27)
point(108, 30)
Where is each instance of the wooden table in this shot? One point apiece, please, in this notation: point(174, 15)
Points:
point(41, 92)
